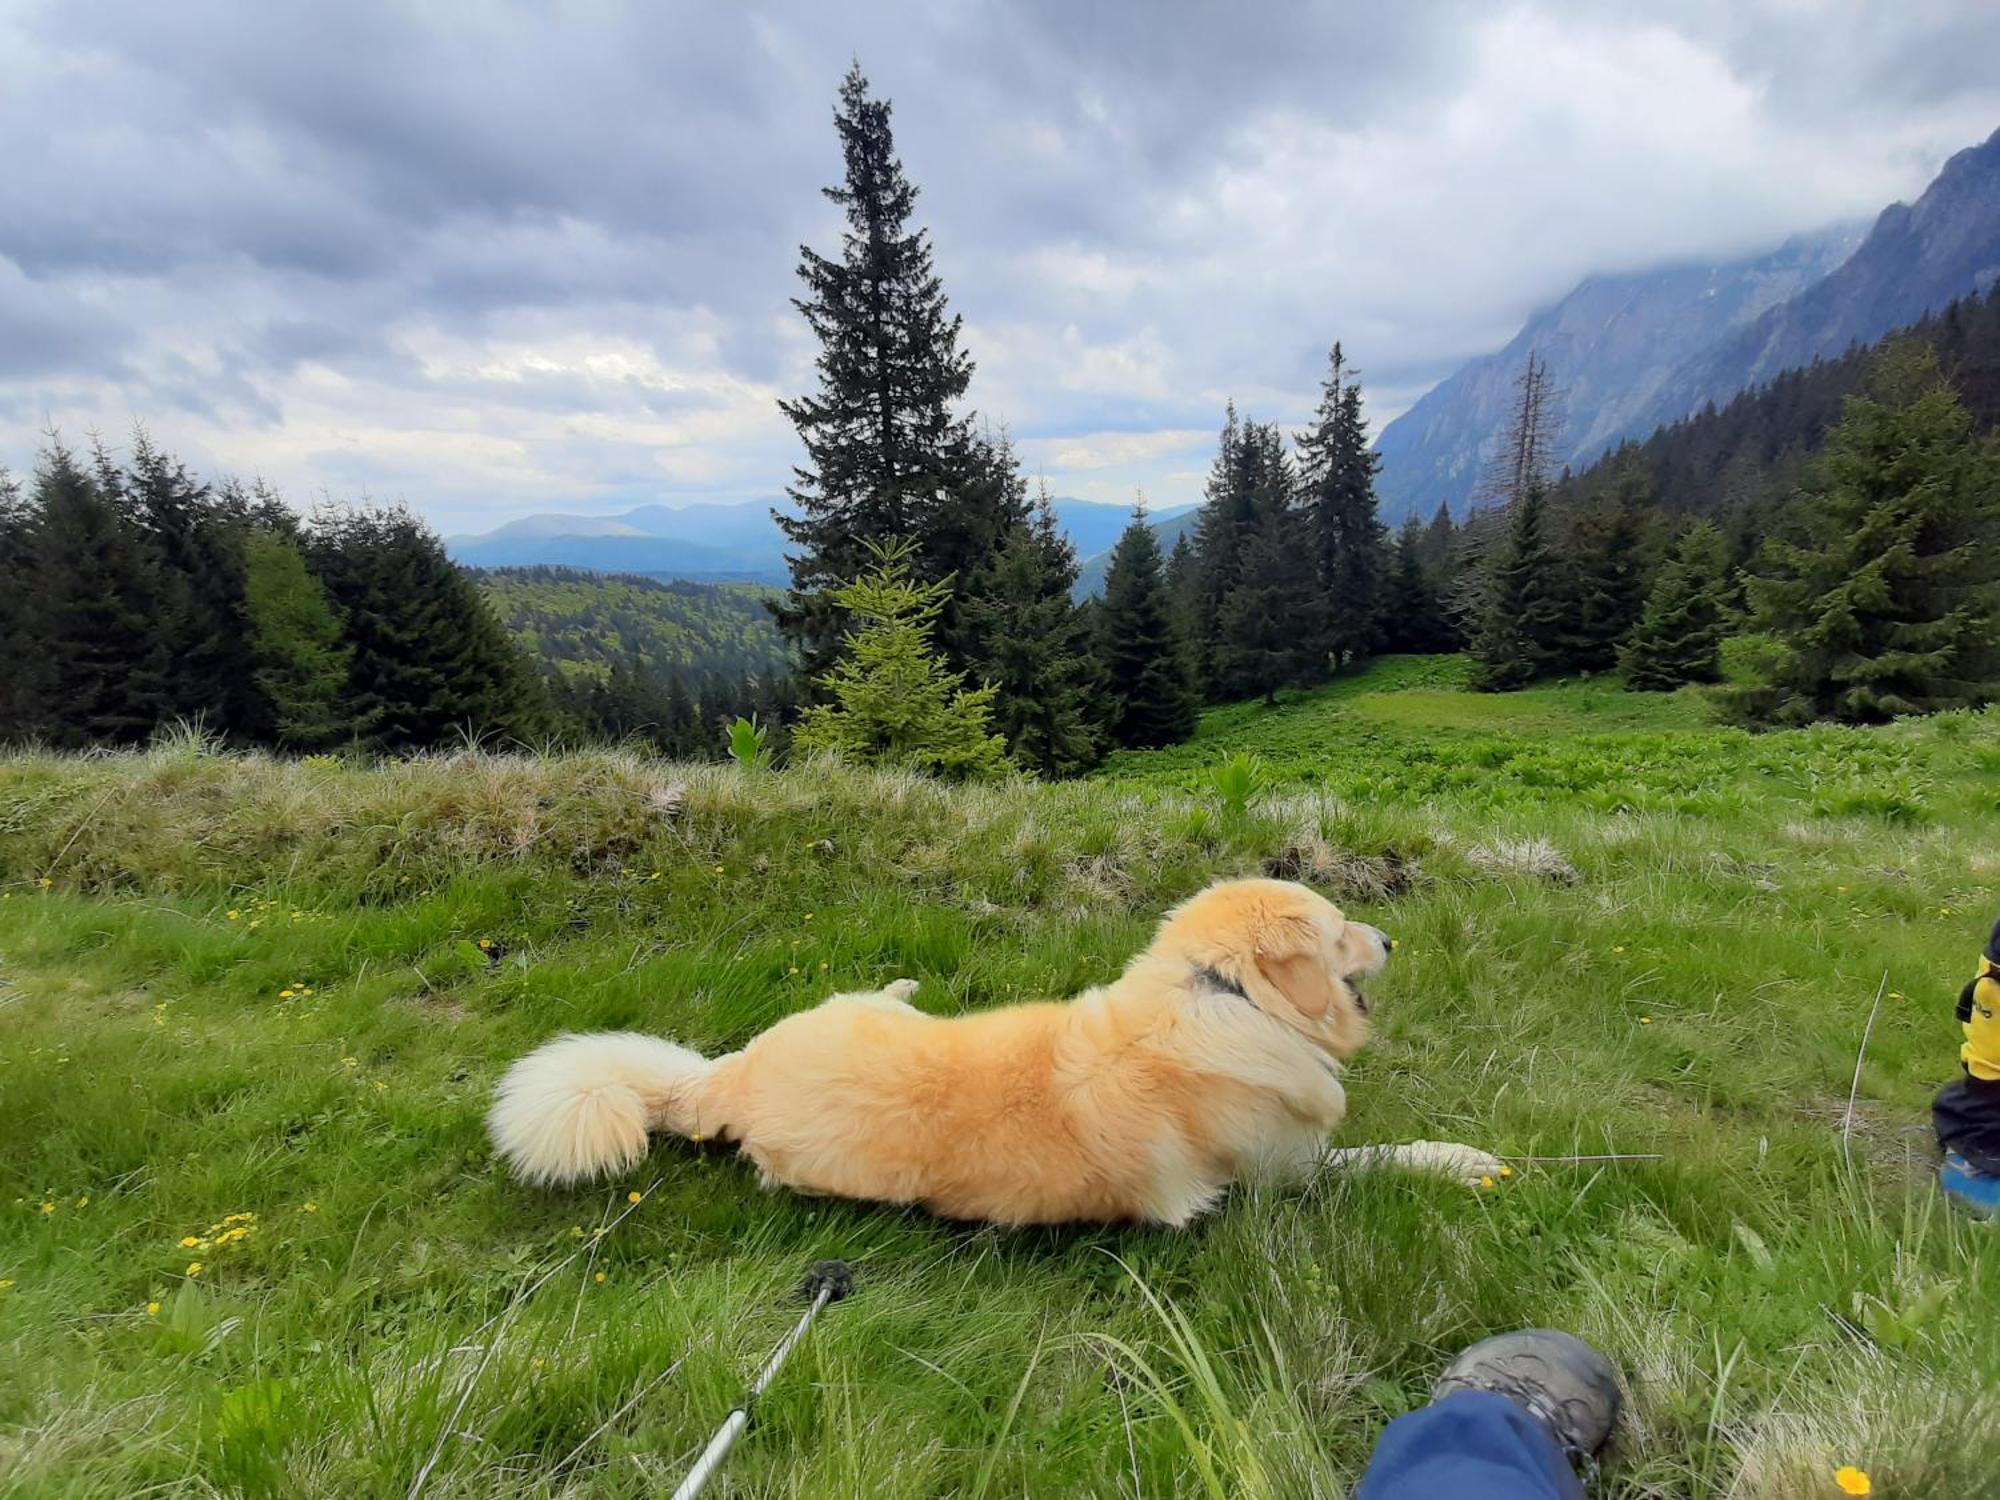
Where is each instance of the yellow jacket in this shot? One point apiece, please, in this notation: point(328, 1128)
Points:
point(1979, 1014)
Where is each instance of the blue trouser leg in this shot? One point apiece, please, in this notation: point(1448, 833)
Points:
point(1472, 1445)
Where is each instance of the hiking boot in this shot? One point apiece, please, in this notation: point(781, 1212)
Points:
point(1565, 1385)
point(1966, 1185)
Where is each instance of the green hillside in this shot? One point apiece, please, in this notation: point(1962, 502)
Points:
point(282, 990)
point(582, 622)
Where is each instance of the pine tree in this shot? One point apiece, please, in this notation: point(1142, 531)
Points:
point(1148, 680)
point(1413, 617)
point(300, 658)
point(20, 648)
point(1222, 527)
point(1267, 637)
point(1345, 534)
point(96, 606)
point(882, 441)
point(1523, 630)
point(891, 700)
point(1237, 554)
point(1608, 566)
point(1034, 650)
point(431, 664)
point(967, 530)
point(197, 536)
point(1679, 635)
point(1183, 585)
point(1884, 598)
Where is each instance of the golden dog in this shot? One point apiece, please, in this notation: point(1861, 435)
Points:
point(1215, 1055)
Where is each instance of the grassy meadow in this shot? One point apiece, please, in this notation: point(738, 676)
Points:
point(252, 1240)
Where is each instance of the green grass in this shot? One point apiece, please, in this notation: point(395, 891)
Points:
point(1674, 950)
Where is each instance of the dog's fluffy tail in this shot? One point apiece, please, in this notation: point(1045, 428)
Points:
point(582, 1105)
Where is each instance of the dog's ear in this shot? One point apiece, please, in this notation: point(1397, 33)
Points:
point(1291, 967)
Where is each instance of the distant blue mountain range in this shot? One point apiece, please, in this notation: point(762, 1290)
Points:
point(711, 543)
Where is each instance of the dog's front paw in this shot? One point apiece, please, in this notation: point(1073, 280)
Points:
point(900, 989)
point(1468, 1164)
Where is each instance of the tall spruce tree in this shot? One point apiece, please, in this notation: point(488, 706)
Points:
point(1033, 647)
point(1883, 596)
point(20, 650)
point(1523, 629)
point(884, 447)
point(1345, 534)
point(431, 664)
point(299, 654)
point(1413, 618)
point(890, 698)
point(1678, 638)
point(1608, 566)
point(1253, 500)
point(1148, 679)
point(197, 535)
point(1271, 633)
point(1222, 527)
point(96, 608)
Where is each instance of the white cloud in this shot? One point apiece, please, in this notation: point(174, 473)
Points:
point(517, 265)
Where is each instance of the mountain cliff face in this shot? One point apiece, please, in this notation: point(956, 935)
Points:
point(1613, 344)
point(1634, 352)
point(1916, 258)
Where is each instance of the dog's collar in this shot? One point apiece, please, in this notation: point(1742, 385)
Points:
point(1206, 978)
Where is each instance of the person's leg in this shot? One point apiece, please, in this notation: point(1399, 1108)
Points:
point(1508, 1420)
point(1472, 1445)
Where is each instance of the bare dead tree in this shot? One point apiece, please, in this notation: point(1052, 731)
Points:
point(1527, 457)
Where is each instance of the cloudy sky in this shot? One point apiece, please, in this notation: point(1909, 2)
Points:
point(494, 259)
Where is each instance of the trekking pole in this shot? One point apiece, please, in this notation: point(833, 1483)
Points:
point(826, 1281)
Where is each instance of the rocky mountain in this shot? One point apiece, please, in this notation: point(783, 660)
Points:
point(707, 543)
point(1916, 258)
point(1637, 351)
point(1612, 345)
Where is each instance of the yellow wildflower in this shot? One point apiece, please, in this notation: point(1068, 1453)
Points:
point(1645, 1020)
point(45, 882)
point(381, 1087)
point(83, 1202)
point(189, 1241)
point(600, 1278)
point(1486, 1182)
point(1618, 948)
point(633, 1196)
point(809, 916)
point(284, 994)
point(350, 1062)
point(305, 989)
point(311, 1208)
point(1506, 1171)
point(238, 1218)
point(6, 1286)
point(793, 970)
point(576, 1231)
point(1853, 1481)
point(234, 914)
point(194, 1268)
point(48, 1208)
point(152, 1309)
point(486, 942)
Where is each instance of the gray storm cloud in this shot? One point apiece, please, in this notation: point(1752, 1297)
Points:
point(495, 260)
